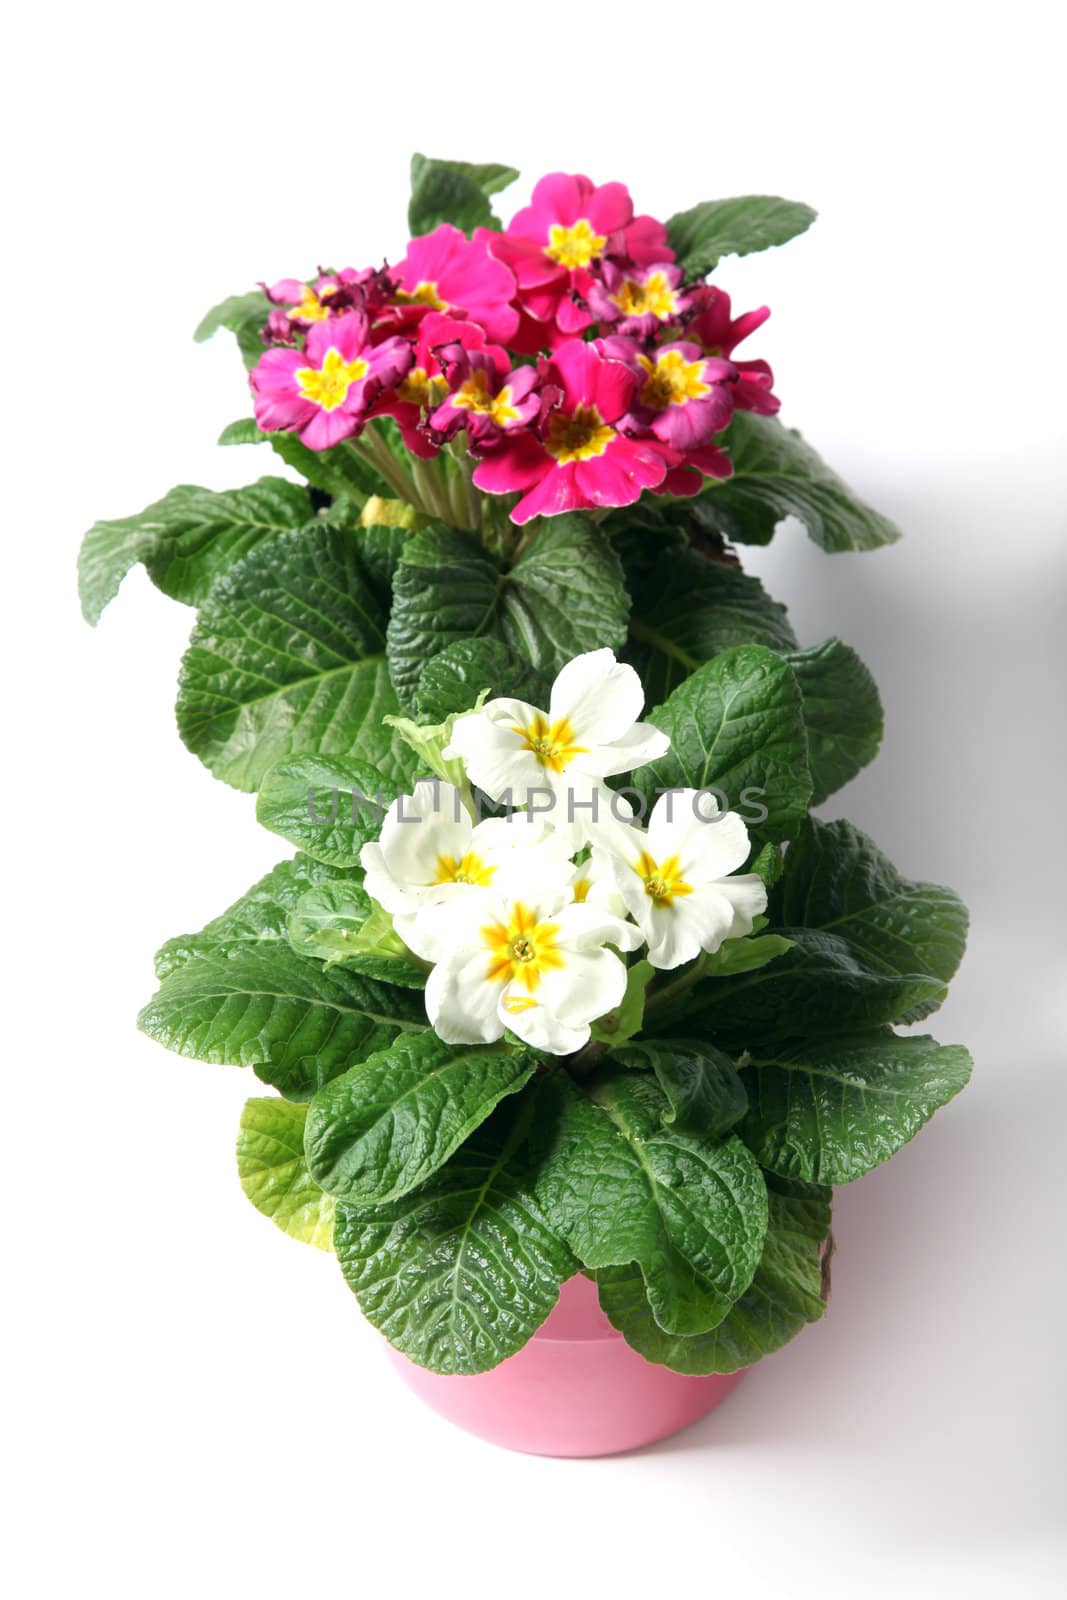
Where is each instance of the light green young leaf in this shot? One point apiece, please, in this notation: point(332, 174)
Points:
point(339, 471)
point(842, 714)
point(460, 1273)
point(777, 475)
point(705, 1093)
point(565, 595)
point(339, 922)
point(262, 1006)
point(785, 1295)
point(326, 805)
point(737, 725)
point(386, 1126)
point(622, 1023)
point(274, 1174)
point(703, 235)
point(828, 1111)
point(620, 1186)
point(186, 540)
point(287, 658)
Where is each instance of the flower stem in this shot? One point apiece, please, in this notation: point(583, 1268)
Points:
point(426, 476)
point(376, 452)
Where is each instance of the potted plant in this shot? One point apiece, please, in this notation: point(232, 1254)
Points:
point(569, 1011)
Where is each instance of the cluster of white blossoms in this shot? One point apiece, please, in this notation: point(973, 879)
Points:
point(525, 918)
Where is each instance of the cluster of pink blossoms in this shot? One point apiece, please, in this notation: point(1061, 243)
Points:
point(580, 365)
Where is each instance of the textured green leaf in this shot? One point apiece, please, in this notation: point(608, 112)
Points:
point(784, 1296)
point(837, 880)
point(287, 658)
point(186, 540)
point(245, 315)
point(257, 918)
point(388, 1124)
point(339, 922)
point(703, 235)
point(842, 714)
point(737, 724)
point(326, 805)
point(564, 596)
point(705, 1093)
point(295, 1022)
point(829, 1111)
point(688, 608)
point(820, 986)
point(454, 191)
point(777, 475)
point(460, 1273)
point(274, 1174)
point(451, 682)
point(620, 1186)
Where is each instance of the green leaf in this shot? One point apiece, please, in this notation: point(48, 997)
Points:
point(428, 742)
point(262, 1006)
point(339, 922)
point(186, 540)
point(842, 714)
point(564, 596)
point(287, 658)
point(829, 1111)
point(620, 1186)
point(386, 1126)
point(339, 471)
point(837, 880)
point(818, 987)
point(257, 918)
point(737, 725)
point(701, 236)
point(245, 315)
point(451, 682)
point(622, 1023)
point(327, 806)
point(460, 1273)
point(777, 475)
point(454, 191)
point(274, 1174)
point(784, 1296)
point(743, 955)
point(688, 608)
point(705, 1093)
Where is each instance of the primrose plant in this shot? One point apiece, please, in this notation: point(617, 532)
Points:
point(566, 975)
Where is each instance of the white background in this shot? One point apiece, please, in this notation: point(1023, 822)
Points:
point(195, 1406)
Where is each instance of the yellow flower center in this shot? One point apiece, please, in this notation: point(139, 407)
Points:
point(313, 306)
point(521, 951)
point(475, 395)
point(575, 246)
point(419, 389)
point(552, 743)
point(328, 386)
point(579, 437)
point(654, 297)
point(663, 881)
point(468, 869)
point(423, 294)
point(671, 381)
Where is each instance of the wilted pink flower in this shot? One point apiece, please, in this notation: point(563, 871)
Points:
point(681, 395)
point(719, 335)
point(423, 385)
point(639, 301)
point(325, 391)
point(580, 460)
point(485, 396)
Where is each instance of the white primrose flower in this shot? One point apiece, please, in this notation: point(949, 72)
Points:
point(430, 850)
point(676, 878)
point(594, 882)
point(524, 956)
point(555, 761)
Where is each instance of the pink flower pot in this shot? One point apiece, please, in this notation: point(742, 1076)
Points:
point(577, 1389)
